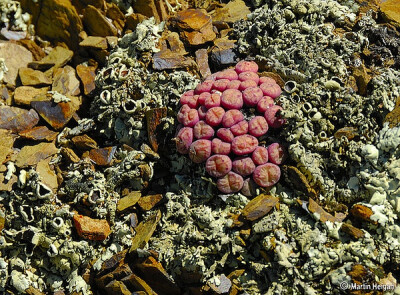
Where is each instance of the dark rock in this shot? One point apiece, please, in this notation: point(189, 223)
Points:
point(16, 119)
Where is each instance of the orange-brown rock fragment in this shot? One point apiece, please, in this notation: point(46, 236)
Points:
point(87, 76)
point(6, 144)
point(102, 156)
point(31, 155)
point(362, 212)
point(202, 62)
point(195, 26)
point(153, 120)
point(56, 114)
point(391, 11)
point(97, 24)
point(148, 202)
point(30, 77)
point(259, 207)
point(84, 142)
point(155, 275)
point(16, 119)
point(348, 132)
point(39, 133)
point(24, 95)
point(320, 213)
point(91, 229)
point(352, 231)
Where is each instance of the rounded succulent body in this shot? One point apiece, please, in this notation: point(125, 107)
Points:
point(216, 131)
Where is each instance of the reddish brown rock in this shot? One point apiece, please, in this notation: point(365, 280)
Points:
point(2, 219)
point(231, 12)
point(94, 42)
point(37, 52)
point(65, 81)
point(195, 26)
point(202, 62)
point(362, 78)
point(391, 11)
point(148, 202)
point(136, 283)
point(24, 95)
point(348, 132)
point(320, 213)
point(362, 212)
point(117, 288)
point(30, 77)
point(151, 8)
point(47, 174)
point(103, 156)
point(352, 231)
point(117, 17)
point(6, 144)
point(56, 114)
point(70, 155)
point(132, 20)
point(39, 133)
point(87, 76)
point(57, 58)
point(91, 229)
point(58, 20)
point(97, 24)
point(84, 142)
point(31, 155)
point(259, 207)
point(153, 120)
point(155, 275)
point(16, 119)
point(9, 51)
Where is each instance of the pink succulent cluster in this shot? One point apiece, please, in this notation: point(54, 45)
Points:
point(215, 130)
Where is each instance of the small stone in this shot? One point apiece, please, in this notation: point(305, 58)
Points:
point(24, 95)
point(155, 275)
point(148, 202)
point(5, 96)
point(97, 24)
point(150, 8)
point(117, 288)
point(87, 76)
point(16, 119)
point(91, 229)
point(320, 213)
point(56, 114)
point(102, 156)
point(259, 207)
point(223, 53)
point(94, 42)
point(58, 20)
point(84, 142)
point(47, 174)
point(120, 272)
point(362, 78)
point(112, 263)
point(2, 219)
point(70, 155)
point(224, 286)
point(37, 51)
point(112, 41)
point(195, 26)
point(8, 51)
point(153, 120)
point(30, 77)
point(6, 144)
point(166, 60)
point(31, 155)
point(133, 19)
point(128, 201)
point(362, 212)
point(391, 11)
point(232, 12)
point(136, 283)
point(144, 231)
point(65, 81)
point(352, 231)
point(348, 132)
point(202, 62)
point(33, 291)
point(58, 57)
point(116, 15)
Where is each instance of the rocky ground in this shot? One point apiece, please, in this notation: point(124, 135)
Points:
point(95, 199)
